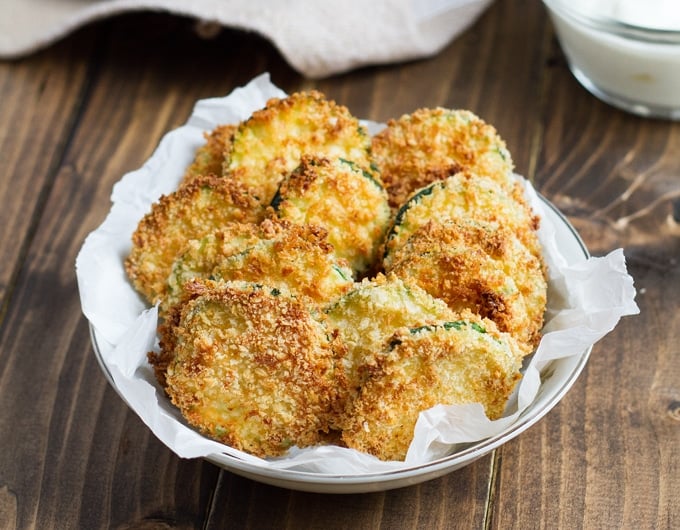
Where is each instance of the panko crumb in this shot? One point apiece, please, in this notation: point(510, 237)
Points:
point(319, 286)
point(202, 206)
point(344, 199)
point(372, 311)
point(209, 157)
point(295, 258)
point(434, 143)
point(268, 145)
point(465, 195)
point(252, 367)
point(480, 267)
point(466, 360)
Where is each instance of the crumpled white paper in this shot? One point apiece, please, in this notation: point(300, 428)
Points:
point(586, 300)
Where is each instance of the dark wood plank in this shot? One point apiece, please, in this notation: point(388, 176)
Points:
point(604, 457)
point(457, 500)
point(39, 101)
point(79, 458)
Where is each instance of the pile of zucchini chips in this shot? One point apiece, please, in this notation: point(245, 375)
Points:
point(319, 285)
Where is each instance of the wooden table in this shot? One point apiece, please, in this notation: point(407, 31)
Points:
point(78, 115)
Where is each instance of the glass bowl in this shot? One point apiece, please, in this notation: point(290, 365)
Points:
point(626, 54)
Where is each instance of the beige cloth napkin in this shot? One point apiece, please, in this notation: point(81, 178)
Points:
point(317, 37)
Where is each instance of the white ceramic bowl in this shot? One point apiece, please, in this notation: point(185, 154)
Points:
point(631, 61)
point(585, 300)
point(556, 379)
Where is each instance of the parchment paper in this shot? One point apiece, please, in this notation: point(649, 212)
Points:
point(585, 302)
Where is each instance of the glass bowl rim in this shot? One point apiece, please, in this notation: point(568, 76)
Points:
point(614, 27)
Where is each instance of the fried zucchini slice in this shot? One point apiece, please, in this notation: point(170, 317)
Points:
point(201, 256)
point(477, 266)
point(372, 311)
point(296, 259)
point(269, 144)
point(465, 195)
point(199, 208)
point(252, 367)
point(432, 144)
point(343, 198)
point(209, 158)
point(463, 361)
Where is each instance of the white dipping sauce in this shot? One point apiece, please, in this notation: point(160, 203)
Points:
point(652, 14)
point(640, 74)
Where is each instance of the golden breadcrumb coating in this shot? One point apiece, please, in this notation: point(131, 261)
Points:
point(368, 315)
point(465, 195)
point(296, 259)
point(253, 368)
point(198, 208)
point(477, 266)
point(201, 256)
point(432, 144)
point(269, 145)
point(342, 198)
point(266, 341)
point(462, 361)
point(209, 158)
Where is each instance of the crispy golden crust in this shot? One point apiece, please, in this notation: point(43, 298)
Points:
point(459, 362)
point(267, 342)
point(432, 144)
point(203, 205)
point(269, 145)
point(465, 195)
point(201, 256)
point(342, 198)
point(293, 258)
point(369, 314)
point(253, 368)
point(209, 158)
point(476, 266)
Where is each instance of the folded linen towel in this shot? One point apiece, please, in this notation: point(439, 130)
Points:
point(318, 38)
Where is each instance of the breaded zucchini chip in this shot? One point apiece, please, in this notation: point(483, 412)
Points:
point(209, 158)
point(269, 144)
point(343, 198)
point(463, 361)
point(202, 206)
point(432, 144)
point(253, 368)
point(465, 195)
point(199, 208)
point(296, 259)
point(368, 315)
point(477, 266)
point(201, 256)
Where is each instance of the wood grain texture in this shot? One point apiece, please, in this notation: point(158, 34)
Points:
point(79, 115)
point(457, 500)
point(616, 176)
point(41, 99)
